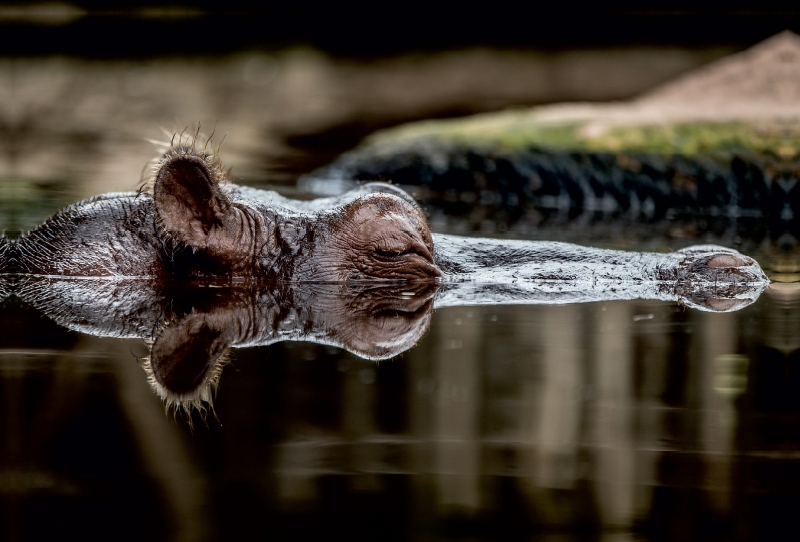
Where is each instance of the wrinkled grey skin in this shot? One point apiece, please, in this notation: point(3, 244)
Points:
point(374, 233)
point(193, 223)
point(5, 267)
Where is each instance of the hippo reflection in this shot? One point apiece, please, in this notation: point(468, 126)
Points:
point(190, 325)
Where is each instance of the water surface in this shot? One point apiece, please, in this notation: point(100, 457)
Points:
point(609, 420)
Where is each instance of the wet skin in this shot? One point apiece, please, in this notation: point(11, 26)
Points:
point(191, 222)
point(195, 223)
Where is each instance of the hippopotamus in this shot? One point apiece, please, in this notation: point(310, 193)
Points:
point(189, 221)
point(360, 271)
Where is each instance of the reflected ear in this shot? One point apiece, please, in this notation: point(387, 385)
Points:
point(189, 200)
point(187, 359)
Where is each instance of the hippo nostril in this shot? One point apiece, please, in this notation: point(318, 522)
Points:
point(726, 260)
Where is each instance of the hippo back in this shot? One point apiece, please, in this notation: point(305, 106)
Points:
point(113, 235)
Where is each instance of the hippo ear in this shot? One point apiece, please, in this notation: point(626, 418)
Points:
point(191, 347)
point(186, 360)
point(189, 202)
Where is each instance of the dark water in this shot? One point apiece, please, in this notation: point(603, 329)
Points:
point(613, 421)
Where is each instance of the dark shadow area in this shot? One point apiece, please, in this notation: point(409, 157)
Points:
point(138, 29)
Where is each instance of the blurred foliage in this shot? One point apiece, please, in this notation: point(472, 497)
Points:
point(685, 139)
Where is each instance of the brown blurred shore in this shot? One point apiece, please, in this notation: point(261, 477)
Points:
point(79, 127)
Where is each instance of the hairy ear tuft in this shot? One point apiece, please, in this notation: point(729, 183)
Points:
point(188, 197)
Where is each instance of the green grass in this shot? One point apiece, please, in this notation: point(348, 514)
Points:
point(685, 139)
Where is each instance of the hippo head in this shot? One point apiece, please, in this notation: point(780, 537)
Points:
point(377, 236)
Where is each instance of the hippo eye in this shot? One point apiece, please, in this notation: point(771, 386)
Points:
point(392, 247)
point(396, 253)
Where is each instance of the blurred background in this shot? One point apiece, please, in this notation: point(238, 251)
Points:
point(607, 421)
point(83, 86)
